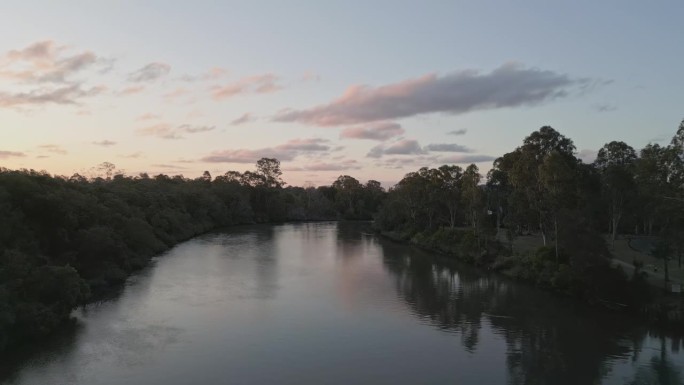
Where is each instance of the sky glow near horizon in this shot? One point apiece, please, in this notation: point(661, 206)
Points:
point(369, 89)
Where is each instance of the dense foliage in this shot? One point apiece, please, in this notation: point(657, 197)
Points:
point(542, 188)
point(63, 240)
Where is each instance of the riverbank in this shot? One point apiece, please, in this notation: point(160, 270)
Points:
point(537, 267)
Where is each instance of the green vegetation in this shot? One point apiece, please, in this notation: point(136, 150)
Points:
point(542, 190)
point(63, 240)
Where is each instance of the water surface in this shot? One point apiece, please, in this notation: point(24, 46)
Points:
point(325, 303)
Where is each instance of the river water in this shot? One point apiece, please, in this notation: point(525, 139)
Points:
point(327, 303)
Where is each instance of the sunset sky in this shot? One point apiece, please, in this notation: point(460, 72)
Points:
point(372, 89)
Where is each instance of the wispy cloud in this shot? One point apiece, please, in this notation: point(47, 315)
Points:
point(284, 152)
point(71, 94)
point(466, 159)
point(244, 118)
point(135, 155)
point(148, 116)
point(260, 84)
point(344, 165)
point(375, 131)
point(510, 85)
point(168, 131)
point(46, 62)
point(604, 107)
point(447, 147)
point(402, 147)
point(461, 131)
point(104, 143)
point(149, 72)
point(132, 90)
point(168, 166)
point(213, 73)
point(11, 154)
point(53, 148)
point(175, 94)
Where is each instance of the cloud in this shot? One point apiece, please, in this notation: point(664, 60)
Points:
point(178, 92)
point(46, 62)
point(132, 90)
point(135, 155)
point(466, 159)
point(53, 148)
point(375, 131)
point(150, 72)
point(168, 166)
point(11, 154)
point(444, 147)
point(148, 116)
point(244, 118)
point(71, 94)
point(104, 143)
point(312, 144)
point(168, 131)
point(461, 131)
point(340, 166)
point(195, 129)
point(604, 107)
point(510, 85)
point(402, 147)
point(212, 74)
point(260, 84)
point(284, 152)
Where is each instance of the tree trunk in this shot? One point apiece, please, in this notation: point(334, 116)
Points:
point(615, 223)
point(541, 229)
point(555, 225)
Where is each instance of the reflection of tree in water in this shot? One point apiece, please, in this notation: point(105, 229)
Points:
point(549, 340)
point(660, 370)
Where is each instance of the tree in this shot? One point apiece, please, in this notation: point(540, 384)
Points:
point(558, 178)
point(524, 168)
point(616, 162)
point(106, 168)
point(269, 169)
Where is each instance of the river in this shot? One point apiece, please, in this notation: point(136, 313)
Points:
point(327, 303)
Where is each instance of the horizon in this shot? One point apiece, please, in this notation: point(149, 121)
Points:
point(328, 89)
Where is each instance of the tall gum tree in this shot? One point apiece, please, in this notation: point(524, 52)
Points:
point(616, 162)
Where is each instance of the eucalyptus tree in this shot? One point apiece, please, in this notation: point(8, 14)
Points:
point(616, 162)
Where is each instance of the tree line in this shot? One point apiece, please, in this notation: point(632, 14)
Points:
point(66, 240)
point(542, 188)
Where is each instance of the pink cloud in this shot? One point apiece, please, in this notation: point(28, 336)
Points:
point(132, 90)
point(148, 116)
point(45, 61)
point(244, 118)
point(150, 72)
point(265, 83)
point(510, 85)
point(175, 94)
point(402, 147)
point(168, 131)
point(379, 131)
point(284, 152)
point(10, 154)
point(339, 166)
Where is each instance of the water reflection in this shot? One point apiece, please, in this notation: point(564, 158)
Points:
point(329, 303)
point(549, 340)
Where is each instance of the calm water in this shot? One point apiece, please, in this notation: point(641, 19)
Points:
point(323, 303)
